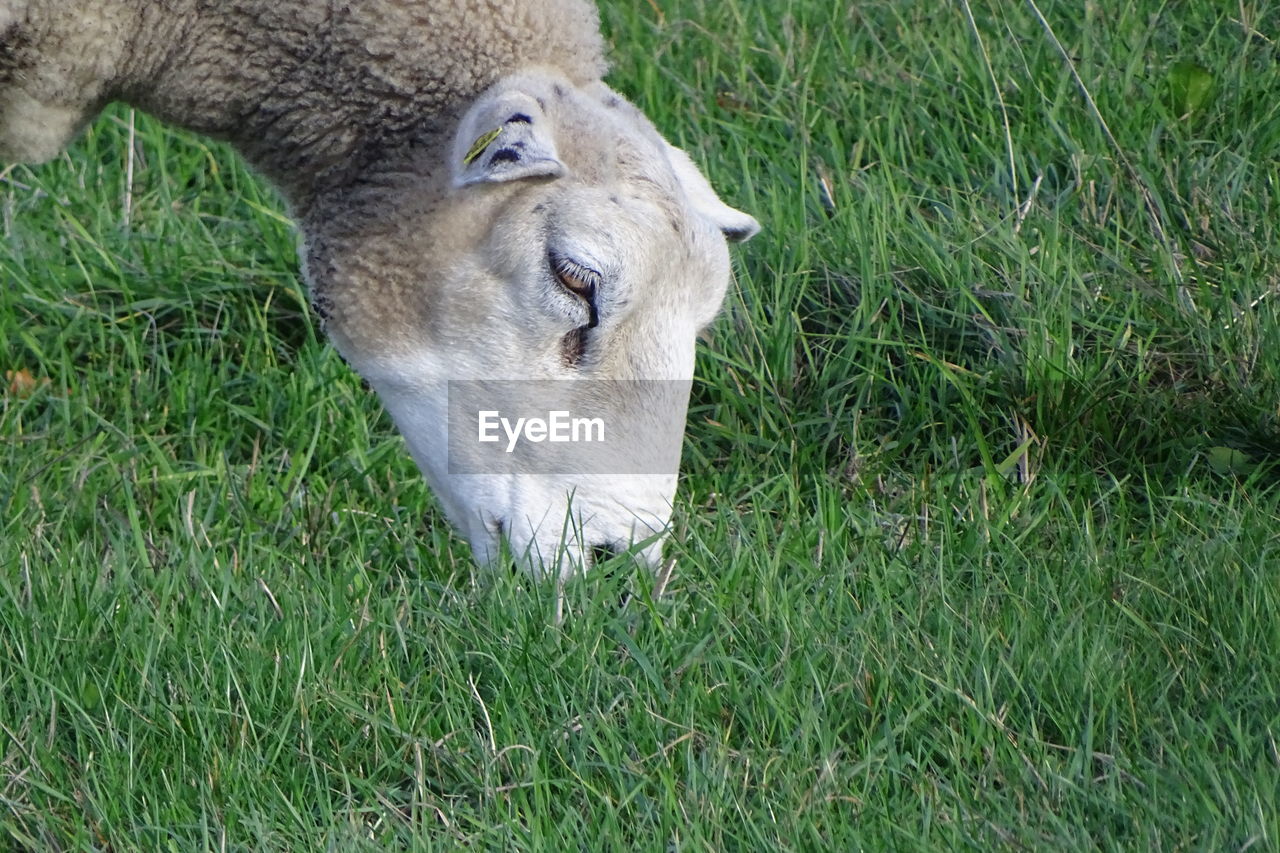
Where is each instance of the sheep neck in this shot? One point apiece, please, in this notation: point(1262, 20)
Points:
point(318, 95)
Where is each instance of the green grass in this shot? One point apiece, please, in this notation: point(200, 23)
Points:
point(980, 524)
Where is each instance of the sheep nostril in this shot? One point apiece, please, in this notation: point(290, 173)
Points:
point(602, 551)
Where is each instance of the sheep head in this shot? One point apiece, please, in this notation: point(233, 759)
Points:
point(563, 260)
point(478, 243)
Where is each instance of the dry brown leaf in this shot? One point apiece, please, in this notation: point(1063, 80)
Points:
point(21, 383)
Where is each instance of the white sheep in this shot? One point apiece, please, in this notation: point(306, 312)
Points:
point(475, 205)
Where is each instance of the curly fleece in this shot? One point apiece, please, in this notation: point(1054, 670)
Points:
point(308, 90)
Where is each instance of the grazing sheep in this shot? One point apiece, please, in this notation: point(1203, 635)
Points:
point(475, 205)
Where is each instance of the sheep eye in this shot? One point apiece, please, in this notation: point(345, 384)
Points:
point(580, 281)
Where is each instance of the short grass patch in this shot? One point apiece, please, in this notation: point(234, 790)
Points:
point(979, 532)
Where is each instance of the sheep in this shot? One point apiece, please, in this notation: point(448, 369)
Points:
point(475, 205)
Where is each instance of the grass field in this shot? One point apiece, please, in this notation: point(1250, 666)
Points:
point(979, 534)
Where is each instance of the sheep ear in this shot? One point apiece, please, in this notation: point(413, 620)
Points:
point(736, 225)
point(505, 136)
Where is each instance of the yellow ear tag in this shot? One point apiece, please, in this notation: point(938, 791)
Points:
point(477, 147)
